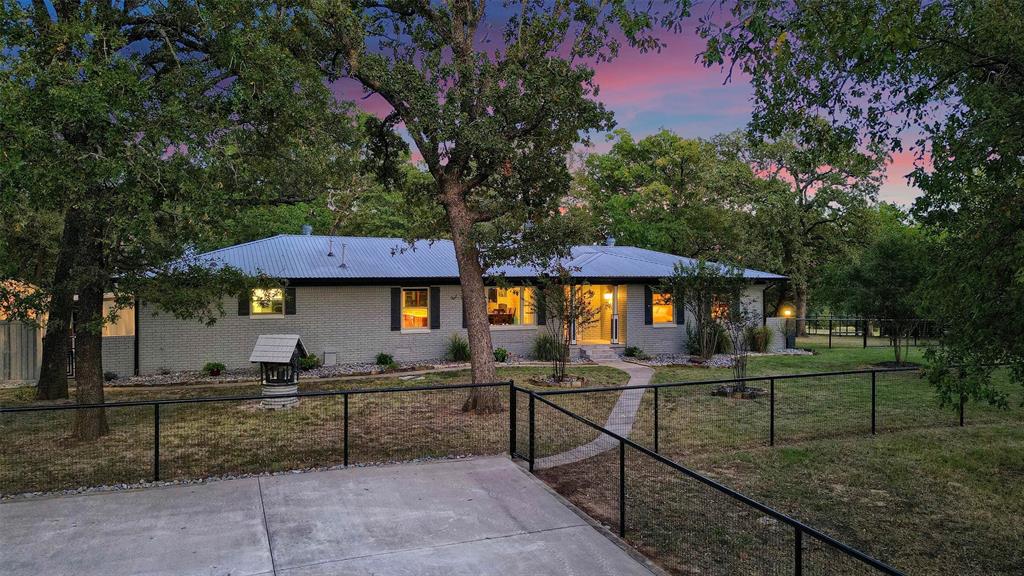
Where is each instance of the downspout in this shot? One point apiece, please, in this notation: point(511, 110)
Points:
point(135, 348)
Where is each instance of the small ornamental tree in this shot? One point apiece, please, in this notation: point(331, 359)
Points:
point(564, 305)
point(737, 321)
point(696, 287)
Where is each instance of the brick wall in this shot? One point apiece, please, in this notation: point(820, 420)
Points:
point(355, 323)
point(119, 355)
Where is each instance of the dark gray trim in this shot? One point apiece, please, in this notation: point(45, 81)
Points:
point(648, 306)
point(289, 301)
point(435, 307)
point(243, 303)
point(396, 308)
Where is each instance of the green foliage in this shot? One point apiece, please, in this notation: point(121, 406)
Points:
point(635, 352)
point(759, 338)
point(457, 349)
point(949, 71)
point(385, 359)
point(310, 362)
point(546, 348)
point(695, 288)
point(213, 368)
point(500, 355)
point(723, 344)
point(676, 195)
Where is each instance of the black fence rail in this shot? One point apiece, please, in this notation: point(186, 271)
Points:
point(862, 332)
point(682, 418)
point(180, 439)
point(683, 520)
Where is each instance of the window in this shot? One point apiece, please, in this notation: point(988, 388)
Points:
point(415, 309)
point(267, 302)
point(719, 308)
point(511, 306)
point(661, 309)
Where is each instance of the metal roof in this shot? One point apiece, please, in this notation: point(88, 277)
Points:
point(352, 258)
point(276, 348)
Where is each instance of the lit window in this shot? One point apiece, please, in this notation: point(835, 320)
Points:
point(266, 302)
point(719, 308)
point(511, 306)
point(415, 309)
point(661, 310)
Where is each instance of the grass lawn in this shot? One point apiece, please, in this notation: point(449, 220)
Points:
point(924, 494)
point(205, 439)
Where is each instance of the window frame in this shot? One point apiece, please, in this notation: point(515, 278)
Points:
point(402, 308)
point(521, 310)
point(263, 315)
point(671, 306)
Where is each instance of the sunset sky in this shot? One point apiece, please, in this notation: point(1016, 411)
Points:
point(649, 92)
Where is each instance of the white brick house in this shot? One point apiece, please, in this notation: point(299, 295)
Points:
point(350, 298)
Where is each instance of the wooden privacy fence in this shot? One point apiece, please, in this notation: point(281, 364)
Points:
point(21, 351)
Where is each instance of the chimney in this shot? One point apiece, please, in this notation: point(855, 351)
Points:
point(609, 241)
point(307, 230)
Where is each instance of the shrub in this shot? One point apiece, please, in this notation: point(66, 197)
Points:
point(635, 352)
point(385, 359)
point(723, 345)
point(213, 368)
point(109, 376)
point(500, 355)
point(458, 349)
point(759, 338)
point(546, 348)
point(310, 362)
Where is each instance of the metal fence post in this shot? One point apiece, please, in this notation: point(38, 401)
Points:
point(798, 552)
point(962, 400)
point(830, 332)
point(656, 420)
point(511, 419)
point(867, 326)
point(345, 428)
point(156, 442)
point(622, 489)
point(771, 404)
point(533, 428)
point(874, 408)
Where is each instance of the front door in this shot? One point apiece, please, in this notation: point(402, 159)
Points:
point(607, 325)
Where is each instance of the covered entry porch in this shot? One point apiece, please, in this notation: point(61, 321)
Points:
point(609, 304)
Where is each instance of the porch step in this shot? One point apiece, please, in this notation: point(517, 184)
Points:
point(599, 353)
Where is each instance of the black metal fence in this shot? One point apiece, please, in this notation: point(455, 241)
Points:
point(863, 332)
point(683, 520)
point(179, 439)
point(683, 418)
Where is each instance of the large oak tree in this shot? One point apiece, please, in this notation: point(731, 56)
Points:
point(139, 124)
point(494, 96)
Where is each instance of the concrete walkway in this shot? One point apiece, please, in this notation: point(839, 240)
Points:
point(468, 517)
point(620, 420)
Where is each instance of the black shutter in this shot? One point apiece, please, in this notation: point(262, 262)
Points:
point(679, 310)
point(396, 309)
point(289, 301)
point(435, 307)
point(243, 303)
point(648, 306)
point(539, 308)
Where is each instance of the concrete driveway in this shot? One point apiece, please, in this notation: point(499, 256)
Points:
point(469, 517)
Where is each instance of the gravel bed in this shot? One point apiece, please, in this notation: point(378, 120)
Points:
point(716, 361)
point(336, 371)
point(208, 479)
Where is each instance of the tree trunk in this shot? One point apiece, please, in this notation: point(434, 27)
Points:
point(800, 297)
point(471, 277)
point(53, 375)
point(89, 424)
